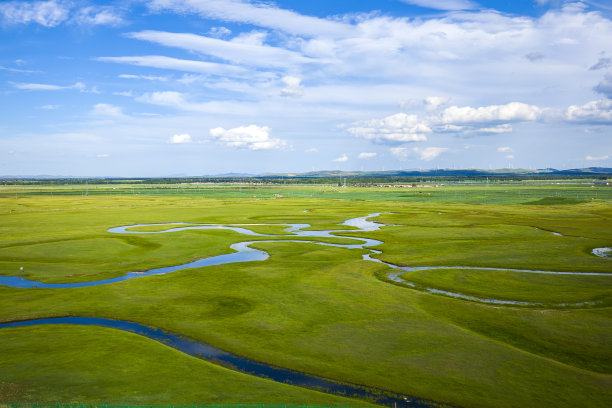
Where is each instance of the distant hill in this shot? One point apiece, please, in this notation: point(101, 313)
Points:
point(446, 173)
point(333, 175)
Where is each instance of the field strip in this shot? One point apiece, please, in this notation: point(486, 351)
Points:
point(234, 362)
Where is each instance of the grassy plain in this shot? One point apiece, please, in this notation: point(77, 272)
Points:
point(312, 308)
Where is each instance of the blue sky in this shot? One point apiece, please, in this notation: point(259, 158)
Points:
point(193, 87)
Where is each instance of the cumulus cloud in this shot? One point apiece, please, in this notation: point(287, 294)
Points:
point(293, 87)
point(400, 127)
point(247, 137)
point(366, 155)
point(511, 112)
point(50, 107)
point(597, 158)
point(180, 138)
point(404, 127)
point(341, 159)
point(605, 86)
point(591, 112)
point(504, 149)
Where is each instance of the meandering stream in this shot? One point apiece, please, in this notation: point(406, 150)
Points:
point(244, 253)
point(232, 361)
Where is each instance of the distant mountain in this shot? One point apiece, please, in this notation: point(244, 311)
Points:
point(588, 171)
point(231, 175)
point(447, 172)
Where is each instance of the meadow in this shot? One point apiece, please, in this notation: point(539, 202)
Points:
point(316, 309)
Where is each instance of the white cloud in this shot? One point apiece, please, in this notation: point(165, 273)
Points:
point(104, 109)
point(159, 61)
point(312, 150)
point(25, 71)
point(103, 156)
point(366, 155)
point(245, 49)
point(260, 14)
point(400, 127)
point(504, 149)
point(293, 87)
point(180, 138)
point(591, 112)
point(443, 4)
point(403, 127)
point(435, 102)
point(341, 159)
point(97, 16)
point(177, 100)
point(218, 32)
point(505, 128)
point(511, 112)
point(509, 156)
point(46, 13)
point(247, 137)
point(450, 128)
point(423, 153)
point(124, 93)
point(50, 107)
point(48, 87)
point(52, 13)
point(597, 158)
point(429, 153)
point(145, 77)
point(401, 152)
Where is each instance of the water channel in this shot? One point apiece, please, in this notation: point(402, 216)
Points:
point(244, 253)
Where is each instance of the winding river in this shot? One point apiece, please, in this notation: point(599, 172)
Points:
point(234, 362)
point(244, 253)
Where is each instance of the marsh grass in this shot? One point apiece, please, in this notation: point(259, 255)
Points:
point(309, 307)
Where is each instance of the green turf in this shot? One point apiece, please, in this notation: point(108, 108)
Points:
point(309, 307)
point(543, 289)
point(82, 364)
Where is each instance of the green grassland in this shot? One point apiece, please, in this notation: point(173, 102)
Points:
point(312, 308)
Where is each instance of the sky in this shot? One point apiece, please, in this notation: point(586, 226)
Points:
point(201, 87)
